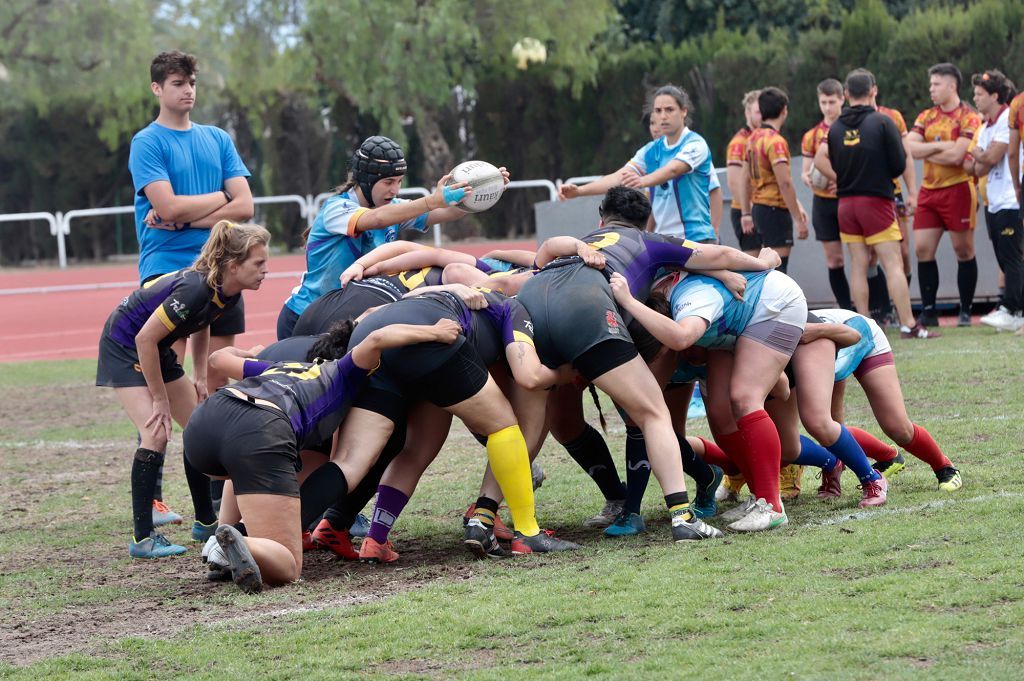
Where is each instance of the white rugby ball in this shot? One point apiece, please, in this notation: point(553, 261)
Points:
point(487, 182)
point(818, 181)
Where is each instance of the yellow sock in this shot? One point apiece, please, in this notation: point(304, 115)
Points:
point(510, 463)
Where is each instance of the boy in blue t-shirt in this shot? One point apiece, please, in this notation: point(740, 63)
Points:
point(187, 177)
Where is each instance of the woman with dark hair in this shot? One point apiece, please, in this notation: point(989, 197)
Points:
point(578, 322)
point(364, 214)
point(252, 431)
point(136, 359)
point(676, 166)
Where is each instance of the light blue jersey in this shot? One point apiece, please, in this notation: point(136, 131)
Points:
point(698, 295)
point(334, 244)
point(682, 206)
point(195, 161)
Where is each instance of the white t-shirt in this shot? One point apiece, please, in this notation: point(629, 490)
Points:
point(999, 188)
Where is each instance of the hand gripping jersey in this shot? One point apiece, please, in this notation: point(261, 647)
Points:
point(871, 344)
point(181, 300)
point(334, 244)
point(638, 255)
point(698, 295)
point(812, 139)
point(489, 330)
point(359, 296)
point(936, 125)
point(681, 206)
point(766, 148)
point(314, 397)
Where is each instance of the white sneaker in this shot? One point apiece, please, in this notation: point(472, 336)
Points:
point(1011, 323)
point(213, 553)
point(608, 514)
point(998, 318)
point(738, 512)
point(760, 518)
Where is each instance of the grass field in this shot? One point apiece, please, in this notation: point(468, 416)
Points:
point(930, 586)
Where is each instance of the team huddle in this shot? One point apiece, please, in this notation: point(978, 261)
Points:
point(384, 341)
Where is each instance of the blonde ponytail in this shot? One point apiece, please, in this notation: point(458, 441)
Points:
point(228, 242)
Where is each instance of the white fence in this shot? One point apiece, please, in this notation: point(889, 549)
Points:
point(309, 205)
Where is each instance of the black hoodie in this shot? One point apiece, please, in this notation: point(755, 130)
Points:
point(866, 152)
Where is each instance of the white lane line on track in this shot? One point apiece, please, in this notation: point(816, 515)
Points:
point(72, 288)
point(938, 503)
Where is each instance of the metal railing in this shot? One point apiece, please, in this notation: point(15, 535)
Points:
point(309, 206)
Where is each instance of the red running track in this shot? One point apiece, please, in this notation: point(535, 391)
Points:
point(38, 323)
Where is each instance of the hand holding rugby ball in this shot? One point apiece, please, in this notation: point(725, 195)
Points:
point(818, 180)
point(488, 184)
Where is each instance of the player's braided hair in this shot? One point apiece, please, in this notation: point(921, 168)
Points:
point(228, 242)
point(334, 343)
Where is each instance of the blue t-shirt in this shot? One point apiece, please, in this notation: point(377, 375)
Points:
point(334, 244)
point(682, 206)
point(195, 161)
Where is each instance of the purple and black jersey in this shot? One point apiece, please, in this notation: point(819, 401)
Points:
point(182, 300)
point(638, 255)
point(314, 397)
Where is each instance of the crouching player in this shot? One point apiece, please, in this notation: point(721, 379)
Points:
point(251, 433)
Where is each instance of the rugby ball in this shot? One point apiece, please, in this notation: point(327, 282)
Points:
point(487, 182)
point(818, 181)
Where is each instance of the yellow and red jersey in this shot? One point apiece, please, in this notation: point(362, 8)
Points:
point(736, 152)
point(812, 139)
point(1016, 121)
point(936, 125)
point(901, 125)
point(766, 148)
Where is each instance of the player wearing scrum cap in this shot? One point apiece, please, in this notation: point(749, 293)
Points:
point(825, 208)
point(363, 214)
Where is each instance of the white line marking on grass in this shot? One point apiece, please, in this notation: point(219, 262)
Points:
point(62, 444)
point(939, 503)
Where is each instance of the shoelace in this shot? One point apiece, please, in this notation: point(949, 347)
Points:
point(161, 506)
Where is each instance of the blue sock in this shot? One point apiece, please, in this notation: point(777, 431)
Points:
point(850, 453)
point(813, 454)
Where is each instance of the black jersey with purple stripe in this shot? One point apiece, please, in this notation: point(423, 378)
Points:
point(638, 255)
point(182, 300)
point(488, 330)
point(314, 397)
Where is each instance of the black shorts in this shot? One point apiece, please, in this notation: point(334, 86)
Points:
point(440, 374)
point(747, 242)
point(337, 305)
point(603, 357)
point(573, 310)
point(118, 366)
point(825, 218)
point(231, 323)
point(773, 225)
point(254, 446)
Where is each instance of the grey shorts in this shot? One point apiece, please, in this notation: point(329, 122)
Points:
point(776, 335)
point(573, 310)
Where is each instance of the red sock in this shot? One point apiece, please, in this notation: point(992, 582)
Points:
point(924, 447)
point(764, 456)
point(714, 455)
point(872, 446)
point(736, 450)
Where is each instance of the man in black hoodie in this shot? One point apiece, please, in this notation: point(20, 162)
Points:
point(863, 155)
